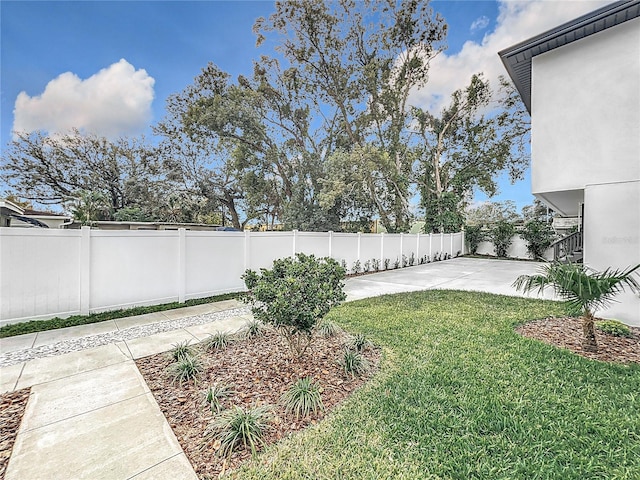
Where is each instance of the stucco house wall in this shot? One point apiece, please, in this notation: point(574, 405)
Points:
point(581, 84)
point(585, 109)
point(612, 238)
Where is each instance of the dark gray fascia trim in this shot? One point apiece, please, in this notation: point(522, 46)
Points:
point(517, 58)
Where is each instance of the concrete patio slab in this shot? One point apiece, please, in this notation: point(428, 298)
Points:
point(9, 377)
point(69, 333)
point(470, 274)
point(114, 442)
point(233, 324)
point(158, 343)
point(19, 342)
point(174, 468)
point(360, 287)
point(68, 397)
point(48, 369)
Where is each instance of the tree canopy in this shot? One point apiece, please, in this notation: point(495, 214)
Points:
point(319, 135)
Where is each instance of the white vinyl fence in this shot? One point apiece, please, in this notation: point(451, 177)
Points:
point(46, 272)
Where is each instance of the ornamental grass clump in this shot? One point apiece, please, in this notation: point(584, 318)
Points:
point(359, 343)
point(182, 350)
point(213, 396)
point(185, 369)
point(218, 341)
point(303, 398)
point(295, 295)
point(254, 328)
point(327, 328)
point(353, 363)
point(239, 427)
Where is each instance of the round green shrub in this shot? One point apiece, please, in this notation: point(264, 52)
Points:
point(613, 327)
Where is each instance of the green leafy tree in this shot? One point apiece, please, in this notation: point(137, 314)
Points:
point(54, 170)
point(584, 290)
point(501, 234)
point(473, 235)
point(295, 295)
point(488, 213)
point(539, 236)
point(90, 207)
point(356, 62)
point(478, 136)
point(537, 211)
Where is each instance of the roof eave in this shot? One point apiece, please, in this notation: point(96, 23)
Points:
point(542, 43)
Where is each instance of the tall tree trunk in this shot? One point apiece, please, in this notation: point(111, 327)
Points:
point(589, 343)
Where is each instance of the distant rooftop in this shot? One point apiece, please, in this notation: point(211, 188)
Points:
point(517, 59)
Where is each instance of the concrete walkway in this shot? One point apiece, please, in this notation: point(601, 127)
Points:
point(91, 415)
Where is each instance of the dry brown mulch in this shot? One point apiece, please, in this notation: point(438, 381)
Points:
point(259, 370)
point(12, 407)
point(566, 332)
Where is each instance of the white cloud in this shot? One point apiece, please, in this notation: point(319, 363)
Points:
point(115, 101)
point(479, 24)
point(517, 21)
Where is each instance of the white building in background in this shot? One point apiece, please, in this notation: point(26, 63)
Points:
point(12, 215)
point(581, 85)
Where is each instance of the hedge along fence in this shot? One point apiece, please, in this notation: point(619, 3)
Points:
point(518, 249)
point(46, 273)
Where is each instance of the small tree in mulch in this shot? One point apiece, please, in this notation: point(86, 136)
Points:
point(295, 295)
point(584, 290)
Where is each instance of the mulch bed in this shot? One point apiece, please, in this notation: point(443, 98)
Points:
point(566, 332)
point(259, 370)
point(12, 407)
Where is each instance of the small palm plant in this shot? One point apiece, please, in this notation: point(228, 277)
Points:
point(584, 290)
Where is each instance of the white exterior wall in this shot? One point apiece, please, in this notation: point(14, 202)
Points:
point(585, 145)
point(585, 111)
point(612, 238)
point(46, 273)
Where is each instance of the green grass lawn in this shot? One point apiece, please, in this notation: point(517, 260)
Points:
point(461, 396)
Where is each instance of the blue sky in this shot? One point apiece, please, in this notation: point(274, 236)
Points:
point(112, 64)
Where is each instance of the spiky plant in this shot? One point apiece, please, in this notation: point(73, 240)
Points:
point(359, 342)
point(185, 369)
point(212, 397)
point(239, 426)
point(302, 398)
point(353, 363)
point(254, 328)
point(327, 328)
point(182, 350)
point(217, 341)
point(584, 290)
